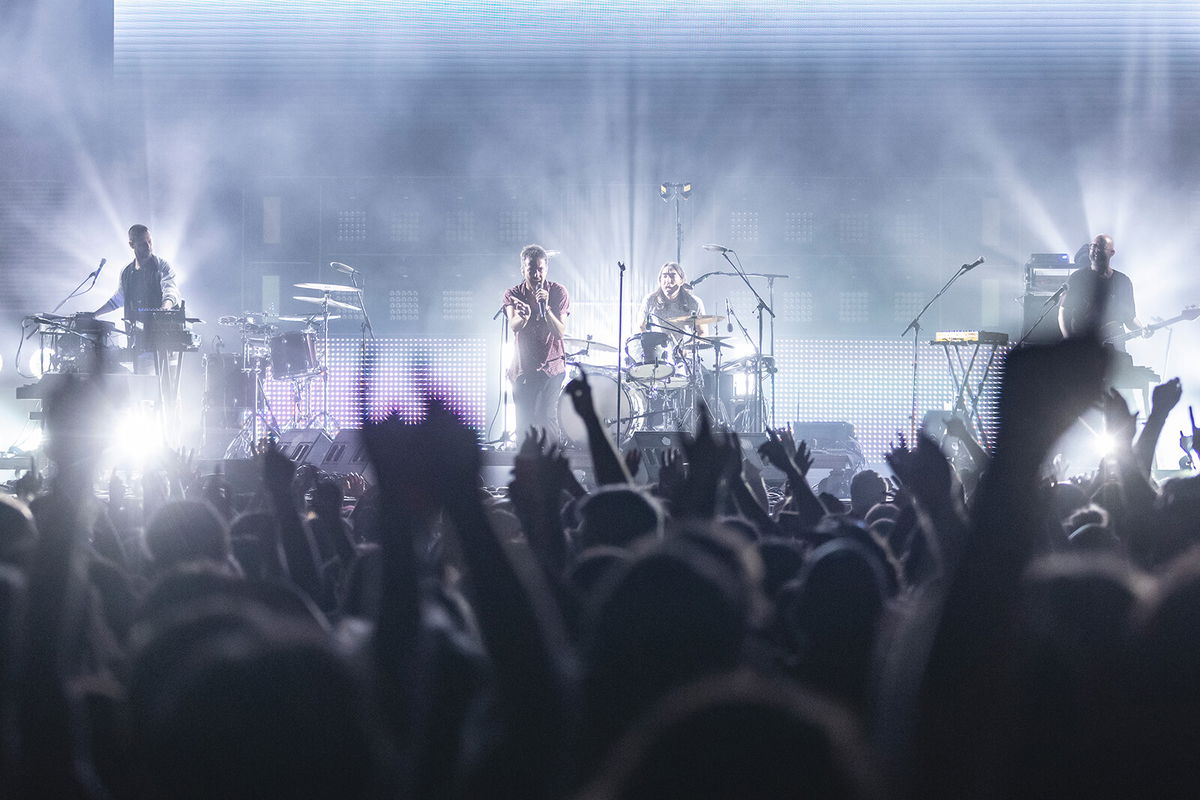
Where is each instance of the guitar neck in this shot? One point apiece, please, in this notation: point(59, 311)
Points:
point(1128, 335)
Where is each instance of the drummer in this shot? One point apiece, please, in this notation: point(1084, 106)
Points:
point(672, 299)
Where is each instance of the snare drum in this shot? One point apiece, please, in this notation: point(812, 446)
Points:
point(604, 397)
point(651, 356)
point(293, 354)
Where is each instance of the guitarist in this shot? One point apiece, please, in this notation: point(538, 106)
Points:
point(1099, 296)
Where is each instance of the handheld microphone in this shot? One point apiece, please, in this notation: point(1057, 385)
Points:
point(973, 265)
point(340, 267)
point(542, 303)
point(716, 248)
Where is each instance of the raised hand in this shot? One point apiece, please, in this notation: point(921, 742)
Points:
point(708, 454)
point(1045, 390)
point(1195, 431)
point(671, 473)
point(633, 461)
point(802, 458)
point(1166, 396)
point(580, 392)
point(1118, 421)
point(924, 471)
point(775, 451)
point(277, 469)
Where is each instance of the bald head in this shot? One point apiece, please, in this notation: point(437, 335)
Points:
point(1101, 252)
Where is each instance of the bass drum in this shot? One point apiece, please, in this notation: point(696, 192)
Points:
point(604, 396)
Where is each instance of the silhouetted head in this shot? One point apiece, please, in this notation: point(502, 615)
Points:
point(186, 530)
point(739, 737)
point(231, 701)
point(866, 490)
point(617, 516)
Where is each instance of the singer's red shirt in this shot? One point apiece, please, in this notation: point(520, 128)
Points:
point(539, 347)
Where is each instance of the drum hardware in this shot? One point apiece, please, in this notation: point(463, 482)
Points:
point(588, 344)
point(250, 407)
point(329, 301)
point(309, 319)
point(710, 319)
point(650, 355)
point(304, 342)
point(328, 288)
point(293, 355)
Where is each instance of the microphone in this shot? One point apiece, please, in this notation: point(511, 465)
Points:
point(716, 248)
point(973, 265)
point(1054, 297)
point(346, 268)
point(96, 274)
point(542, 303)
point(728, 318)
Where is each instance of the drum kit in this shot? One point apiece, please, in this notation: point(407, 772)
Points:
point(662, 380)
point(234, 391)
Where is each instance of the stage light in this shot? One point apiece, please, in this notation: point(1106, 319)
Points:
point(38, 362)
point(137, 437)
point(668, 190)
point(1104, 444)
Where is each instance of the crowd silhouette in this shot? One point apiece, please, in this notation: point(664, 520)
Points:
point(990, 634)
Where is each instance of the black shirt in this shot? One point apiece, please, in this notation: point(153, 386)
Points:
point(1116, 307)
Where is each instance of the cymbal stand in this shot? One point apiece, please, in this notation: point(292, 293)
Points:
point(323, 419)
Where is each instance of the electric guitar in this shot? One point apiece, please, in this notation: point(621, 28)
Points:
point(1188, 313)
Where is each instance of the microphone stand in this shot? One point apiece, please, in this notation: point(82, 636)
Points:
point(502, 394)
point(749, 340)
point(915, 327)
point(762, 306)
point(75, 292)
point(621, 338)
point(1051, 303)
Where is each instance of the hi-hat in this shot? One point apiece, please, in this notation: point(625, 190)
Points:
point(707, 343)
point(711, 319)
point(326, 287)
point(319, 300)
point(588, 344)
point(308, 318)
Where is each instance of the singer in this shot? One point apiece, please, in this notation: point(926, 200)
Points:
point(536, 309)
point(672, 299)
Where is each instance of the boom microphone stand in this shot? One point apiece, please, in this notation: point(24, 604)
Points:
point(502, 407)
point(759, 420)
point(620, 343)
point(915, 327)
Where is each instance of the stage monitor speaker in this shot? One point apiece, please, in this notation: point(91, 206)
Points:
point(347, 454)
point(305, 445)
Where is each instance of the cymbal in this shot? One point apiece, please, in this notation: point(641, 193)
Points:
point(319, 300)
point(750, 363)
point(308, 317)
point(707, 343)
point(326, 287)
point(706, 320)
point(589, 344)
